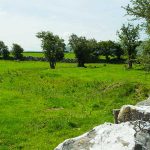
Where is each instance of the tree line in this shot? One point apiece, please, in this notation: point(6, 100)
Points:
point(89, 50)
point(85, 50)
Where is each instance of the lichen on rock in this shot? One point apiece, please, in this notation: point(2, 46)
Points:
point(104, 137)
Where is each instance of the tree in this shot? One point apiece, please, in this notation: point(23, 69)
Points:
point(145, 55)
point(129, 39)
point(85, 50)
point(4, 50)
point(118, 51)
point(93, 49)
point(53, 47)
point(17, 51)
point(79, 46)
point(106, 48)
point(140, 9)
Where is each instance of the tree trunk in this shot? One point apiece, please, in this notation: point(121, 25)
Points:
point(52, 64)
point(107, 58)
point(118, 57)
point(81, 64)
point(129, 64)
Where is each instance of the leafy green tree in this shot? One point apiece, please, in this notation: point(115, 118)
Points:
point(140, 9)
point(145, 54)
point(4, 50)
point(117, 50)
point(53, 47)
point(93, 49)
point(79, 46)
point(129, 39)
point(17, 51)
point(106, 48)
point(85, 50)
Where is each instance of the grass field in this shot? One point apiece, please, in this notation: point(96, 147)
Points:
point(34, 54)
point(39, 107)
point(40, 54)
point(70, 55)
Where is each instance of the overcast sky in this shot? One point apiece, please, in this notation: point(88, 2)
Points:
point(20, 20)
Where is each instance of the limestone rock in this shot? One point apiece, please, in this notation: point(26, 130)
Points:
point(144, 103)
point(123, 136)
point(143, 140)
point(104, 137)
point(111, 137)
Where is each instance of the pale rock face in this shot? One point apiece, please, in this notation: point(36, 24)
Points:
point(121, 136)
point(104, 137)
point(144, 103)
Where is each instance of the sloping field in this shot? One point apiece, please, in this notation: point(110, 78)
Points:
point(39, 107)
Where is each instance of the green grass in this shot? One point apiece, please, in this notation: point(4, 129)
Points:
point(34, 54)
point(39, 107)
point(70, 55)
point(40, 54)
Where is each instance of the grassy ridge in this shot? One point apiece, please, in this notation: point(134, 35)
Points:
point(39, 107)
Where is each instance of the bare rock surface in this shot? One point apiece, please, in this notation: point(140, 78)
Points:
point(142, 140)
point(111, 137)
point(144, 103)
point(104, 137)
